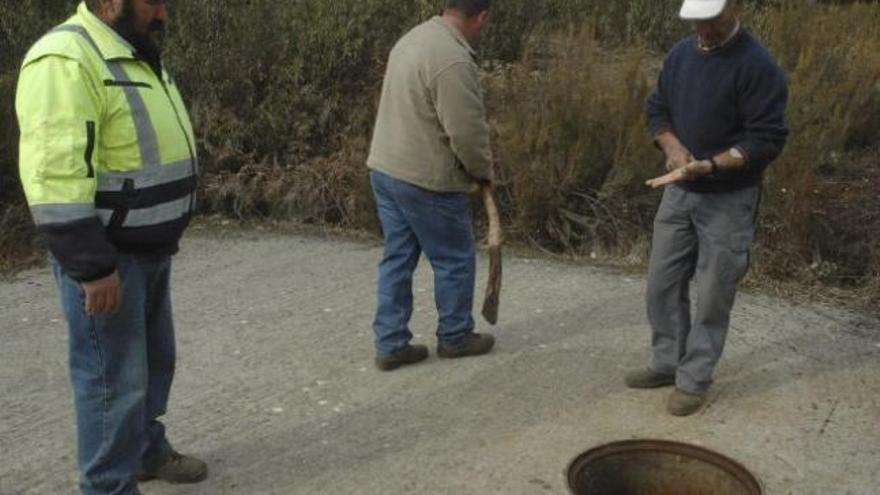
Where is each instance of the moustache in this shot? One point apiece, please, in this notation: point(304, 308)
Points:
point(156, 27)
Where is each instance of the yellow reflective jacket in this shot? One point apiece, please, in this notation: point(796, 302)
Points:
point(107, 155)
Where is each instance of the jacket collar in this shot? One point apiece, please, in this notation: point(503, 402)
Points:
point(457, 34)
point(111, 45)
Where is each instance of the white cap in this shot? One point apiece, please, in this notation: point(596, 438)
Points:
point(700, 10)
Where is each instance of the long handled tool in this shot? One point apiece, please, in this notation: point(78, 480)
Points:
point(493, 287)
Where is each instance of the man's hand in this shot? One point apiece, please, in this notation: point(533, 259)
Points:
point(691, 171)
point(103, 296)
point(677, 155)
point(490, 184)
point(480, 184)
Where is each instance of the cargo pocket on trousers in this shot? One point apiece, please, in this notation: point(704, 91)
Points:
point(739, 252)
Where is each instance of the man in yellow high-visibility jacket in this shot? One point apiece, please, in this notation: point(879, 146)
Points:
point(109, 167)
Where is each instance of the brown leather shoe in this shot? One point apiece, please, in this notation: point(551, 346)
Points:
point(177, 469)
point(410, 354)
point(474, 344)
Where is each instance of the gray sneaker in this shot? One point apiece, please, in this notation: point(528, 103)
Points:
point(475, 344)
point(683, 403)
point(647, 378)
point(410, 354)
point(177, 469)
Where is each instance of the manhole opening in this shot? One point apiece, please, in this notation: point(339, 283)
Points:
point(654, 467)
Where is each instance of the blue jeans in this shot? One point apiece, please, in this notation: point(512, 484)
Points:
point(440, 224)
point(121, 368)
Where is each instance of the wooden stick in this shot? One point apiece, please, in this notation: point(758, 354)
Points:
point(491, 301)
point(677, 175)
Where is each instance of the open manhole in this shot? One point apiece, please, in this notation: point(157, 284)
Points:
point(655, 467)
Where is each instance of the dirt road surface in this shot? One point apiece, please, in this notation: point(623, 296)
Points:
point(275, 386)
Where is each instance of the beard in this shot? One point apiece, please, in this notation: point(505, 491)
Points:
point(148, 46)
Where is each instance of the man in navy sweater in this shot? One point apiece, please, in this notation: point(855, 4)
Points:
point(718, 114)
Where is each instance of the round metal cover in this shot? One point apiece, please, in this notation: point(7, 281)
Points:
point(657, 467)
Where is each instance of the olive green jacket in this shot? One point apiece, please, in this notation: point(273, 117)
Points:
point(431, 130)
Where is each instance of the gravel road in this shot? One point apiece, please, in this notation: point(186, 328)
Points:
point(276, 389)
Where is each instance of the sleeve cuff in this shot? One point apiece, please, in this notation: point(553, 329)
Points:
point(745, 154)
point(97, 275)
point(656, 135)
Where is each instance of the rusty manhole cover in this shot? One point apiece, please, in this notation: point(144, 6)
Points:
point(655, 467)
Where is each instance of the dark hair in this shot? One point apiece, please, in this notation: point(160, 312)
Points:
point(469, 8)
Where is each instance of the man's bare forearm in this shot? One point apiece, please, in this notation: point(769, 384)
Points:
point(667, 140)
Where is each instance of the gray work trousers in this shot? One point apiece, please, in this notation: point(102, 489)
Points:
point(706, 237)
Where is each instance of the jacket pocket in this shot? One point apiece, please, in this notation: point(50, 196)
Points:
point(110, 83)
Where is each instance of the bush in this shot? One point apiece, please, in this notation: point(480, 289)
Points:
point(283, 96)
point(572, 145)
point(835, 118)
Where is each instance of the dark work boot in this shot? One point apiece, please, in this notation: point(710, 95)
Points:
point(475, 344)
point(410, 354)
point(178, 469)
point(647, 378)
point(683, 403)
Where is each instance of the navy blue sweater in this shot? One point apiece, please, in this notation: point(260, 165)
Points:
point(734, 96)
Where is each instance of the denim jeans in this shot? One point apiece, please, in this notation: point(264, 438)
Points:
point(415, 220)
point(121, 368)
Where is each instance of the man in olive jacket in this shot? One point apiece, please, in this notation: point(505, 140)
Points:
point(430, 149)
